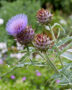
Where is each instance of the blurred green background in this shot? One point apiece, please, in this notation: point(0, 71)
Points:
point(62, 13)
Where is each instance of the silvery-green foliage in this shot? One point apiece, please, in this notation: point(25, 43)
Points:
point(67, 54)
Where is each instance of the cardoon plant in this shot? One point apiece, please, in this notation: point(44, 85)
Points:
point(26, 36)
point(17, 24)
point(43, 44)
point(44, 16)
point(17, 27)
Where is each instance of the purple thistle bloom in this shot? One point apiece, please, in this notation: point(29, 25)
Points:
point(24, 78)
point(12, 77)
point(57, 81)
point(17, 24)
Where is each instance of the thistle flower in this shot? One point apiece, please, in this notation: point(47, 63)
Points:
point(42, 42)
point(17, 24)
point(44, 16)
point(26, 36)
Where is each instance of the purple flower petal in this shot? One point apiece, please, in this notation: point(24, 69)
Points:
point(17, 24)
point(58, 81)
point(38, 73)
point(12, 77)
point(24, 78)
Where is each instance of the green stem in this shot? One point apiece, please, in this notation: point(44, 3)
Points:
point(66, 78)
point(49, 62)
point(29, 55)
point(59, 57)
point(53, 36)
point(27, 49)
point(12, 69)
point(56, 46)
point(8, 72)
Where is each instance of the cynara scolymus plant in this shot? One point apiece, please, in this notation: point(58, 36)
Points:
point(44, 16)
point(26, 36)
point(17, 24)
point(42, 42)
point(45, 46)
point(17, 27)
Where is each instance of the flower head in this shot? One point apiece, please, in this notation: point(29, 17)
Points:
point(38, 73)
point(12, 77)
point(17, 24)
point(57, 81)
point(42, 42)
point(26, 36)
point(24, 78)
point(44, 16)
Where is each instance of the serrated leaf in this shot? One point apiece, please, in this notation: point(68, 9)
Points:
point(63, 41)
point(29, 63)
point(66, 48)
point(67, 54)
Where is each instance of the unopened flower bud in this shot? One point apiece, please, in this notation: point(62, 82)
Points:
point(44, 16)
point(26, 36)
point(42, 42)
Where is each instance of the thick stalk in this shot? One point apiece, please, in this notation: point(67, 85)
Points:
point(66, 78)
point(49, 62)
point(59, 57)
point(29, 55)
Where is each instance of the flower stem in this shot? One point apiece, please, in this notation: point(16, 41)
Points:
point(49, 62)
point(53, 36)
point(59, 57)
point(12, 69)
point(56, 46)
point(27, 49)
point(66, 78)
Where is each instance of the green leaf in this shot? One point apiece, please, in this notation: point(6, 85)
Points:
point(67, 54)
point(63, 41)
